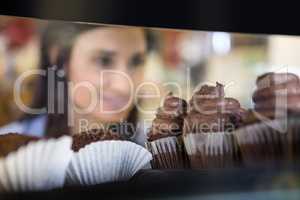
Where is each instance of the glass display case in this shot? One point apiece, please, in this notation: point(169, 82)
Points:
point(230, 88)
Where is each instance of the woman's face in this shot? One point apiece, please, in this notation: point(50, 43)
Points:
point(105, 67)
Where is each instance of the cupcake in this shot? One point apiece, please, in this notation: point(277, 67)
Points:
point(101, 156)
point(270, 132)
point(164, 137)
point(208, 128)
point(33, 164)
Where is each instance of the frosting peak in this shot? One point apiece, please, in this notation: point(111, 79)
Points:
point(211, 111)
point(169, 118)
point(207, 91)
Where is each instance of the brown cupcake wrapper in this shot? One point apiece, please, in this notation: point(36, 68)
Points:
point(168, 153)
point(212, 150)
point(270, 142)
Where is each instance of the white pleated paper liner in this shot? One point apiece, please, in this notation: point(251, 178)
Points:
point(40, 165)
point(168, 153)
point(271, 142)
point(212, 150)
point(106, 161)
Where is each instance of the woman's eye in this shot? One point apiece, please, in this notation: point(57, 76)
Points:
point(105, 61)
point(137, 60)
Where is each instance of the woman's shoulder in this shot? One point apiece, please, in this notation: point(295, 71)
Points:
point(33, 126)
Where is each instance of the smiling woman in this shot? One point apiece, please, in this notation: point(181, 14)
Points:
point(109, 59)
point(91, 75)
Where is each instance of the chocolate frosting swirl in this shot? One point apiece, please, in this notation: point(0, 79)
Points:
point(211, 111)
point(13, 141)
point(82, 139)
point(277, 95)
point(169, 118)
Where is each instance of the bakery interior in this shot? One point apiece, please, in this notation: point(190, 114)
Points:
point(209, 55)
point(188, 58)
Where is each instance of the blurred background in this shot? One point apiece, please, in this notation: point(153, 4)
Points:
point(187, 57)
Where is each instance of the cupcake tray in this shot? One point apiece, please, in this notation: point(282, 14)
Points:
point(240, 183)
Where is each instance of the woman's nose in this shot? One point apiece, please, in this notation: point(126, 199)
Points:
point(119, 80)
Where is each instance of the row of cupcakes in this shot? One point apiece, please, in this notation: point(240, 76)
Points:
point(213, 131)
point(93, 157)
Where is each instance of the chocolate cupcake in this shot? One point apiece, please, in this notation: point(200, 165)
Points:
point(270, 133)
point(33, 164)
point(208, 128)
point(164, 137)
point(277, 96)
point(82, 139)
point(11, 142)
point(102, 156)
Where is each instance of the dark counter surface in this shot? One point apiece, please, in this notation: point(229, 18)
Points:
point(259, 182)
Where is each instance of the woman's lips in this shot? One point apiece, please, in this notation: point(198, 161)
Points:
point(114, 103)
